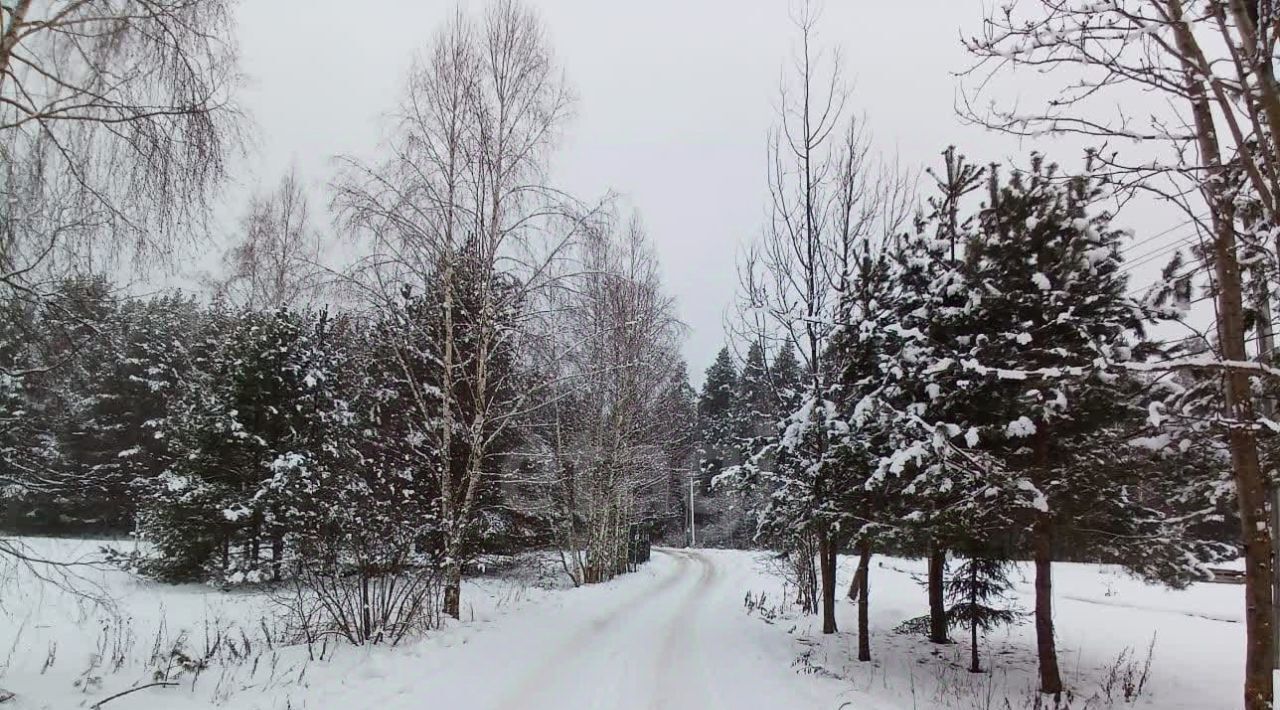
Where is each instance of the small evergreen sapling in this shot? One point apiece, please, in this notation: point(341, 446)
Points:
point(977, 594)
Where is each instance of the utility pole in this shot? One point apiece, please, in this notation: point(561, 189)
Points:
point(693, 535)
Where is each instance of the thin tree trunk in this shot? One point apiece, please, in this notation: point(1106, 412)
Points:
point(974, 665)
point(9, 40)
point(366, 613)
point(1050, 677)
point(453, 589)
point(827, 565)
point(862, 579)
point(937, 599)
point(277, 554)
point(855, 586)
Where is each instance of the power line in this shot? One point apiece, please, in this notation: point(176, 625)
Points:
point(1155, 254)
point(1157, 235)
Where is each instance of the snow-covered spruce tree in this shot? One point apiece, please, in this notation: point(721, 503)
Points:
point(1057, 330)
point(680, 408)
point(934, 321)
point(123, 378)
point(28, 446)
point(755, 401)
point(73, 324)
point(729, 430)
point(977, 592)
point(93, 408)
point(360, 511)
point(181, 510)
point(253, 404)
point(717, 419)
point(785, 377)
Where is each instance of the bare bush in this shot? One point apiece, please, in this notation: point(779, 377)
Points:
point(1126, 677)
point(378, 592)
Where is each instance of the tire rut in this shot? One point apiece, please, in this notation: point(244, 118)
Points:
point(541, 676)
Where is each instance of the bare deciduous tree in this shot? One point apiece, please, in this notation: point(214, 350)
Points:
point(275, 262)
point(122, 113)
point(462, 194)
point(619, 354)
point(832, 200)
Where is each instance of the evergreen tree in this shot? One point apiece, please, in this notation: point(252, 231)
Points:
point(680, 403)
point(937, 318)
point(975, 590)
point(755, 403)
point(717, 410)
point(785, 375)
point(1059, 332)
point(858, 349)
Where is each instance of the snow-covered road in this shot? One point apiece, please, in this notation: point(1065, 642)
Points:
point(673, 635)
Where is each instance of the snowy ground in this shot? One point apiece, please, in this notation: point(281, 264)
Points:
point(674, 635)
point(1197, 659)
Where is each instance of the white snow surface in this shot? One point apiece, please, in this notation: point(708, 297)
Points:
point(675, 634)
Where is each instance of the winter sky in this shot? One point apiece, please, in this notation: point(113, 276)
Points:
point(675, 100)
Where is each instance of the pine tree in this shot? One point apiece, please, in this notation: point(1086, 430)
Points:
point(858, 350)
point(1058, 331)
point(936, 320)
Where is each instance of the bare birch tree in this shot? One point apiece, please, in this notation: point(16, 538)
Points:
point(275, 261)
point(463, 189)
point(117, 119)
point(121, 112)
point(620, 353)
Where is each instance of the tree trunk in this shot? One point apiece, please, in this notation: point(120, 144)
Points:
point(855, 586)
point(974, 666)
point(9, 40)
point(366, 614)
point(827, 564)
point(862, 579)
point(277, 554)
point(1251, 484)
point(806, 575)
point(937, 599)
point(453, 589)
point(1050, 677)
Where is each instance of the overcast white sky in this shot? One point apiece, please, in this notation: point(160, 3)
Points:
point(675, 101)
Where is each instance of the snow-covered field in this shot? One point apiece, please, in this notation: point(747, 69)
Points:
point(676, 634)
point(1106, 621)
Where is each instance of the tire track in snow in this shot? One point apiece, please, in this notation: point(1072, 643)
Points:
point(1153, 609)
point(683, 627)
point(543, 675)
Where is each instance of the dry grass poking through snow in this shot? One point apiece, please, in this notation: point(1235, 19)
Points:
point(1122, 644)
point(85, 633)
